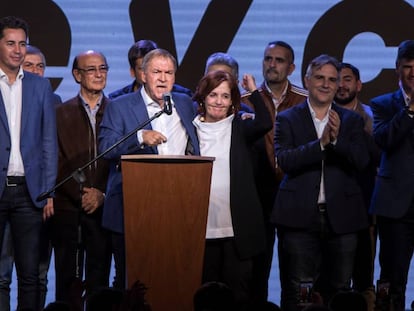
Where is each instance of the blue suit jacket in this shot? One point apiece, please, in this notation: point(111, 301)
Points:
point(121, 117)
point(38, 142)
point(394, 133)
point(299, 155)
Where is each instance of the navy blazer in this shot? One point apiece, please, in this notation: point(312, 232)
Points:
point(300, 156)
point(121, 117)
point(394, 133)
point(38, 138)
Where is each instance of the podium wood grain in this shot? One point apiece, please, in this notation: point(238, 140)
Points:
point(165, 209)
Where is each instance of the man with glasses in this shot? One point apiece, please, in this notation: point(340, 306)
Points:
point(78, 128)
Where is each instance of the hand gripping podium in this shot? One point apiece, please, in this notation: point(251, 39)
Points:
point(165, 210)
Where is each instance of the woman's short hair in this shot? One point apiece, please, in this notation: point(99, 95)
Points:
point(212, 80)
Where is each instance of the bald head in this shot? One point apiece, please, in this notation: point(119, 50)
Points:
point(90, 70)
point(85, 54)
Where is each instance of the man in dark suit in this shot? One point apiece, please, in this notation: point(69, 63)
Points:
point(393, 197)
point(28, 158)
point(320, 205)
point(167, 135)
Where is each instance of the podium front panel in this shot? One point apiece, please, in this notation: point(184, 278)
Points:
point(165, 214)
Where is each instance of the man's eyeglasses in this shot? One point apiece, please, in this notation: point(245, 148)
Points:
point(93, 70)
point(30, 66)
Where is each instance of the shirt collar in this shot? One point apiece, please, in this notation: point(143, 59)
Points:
point(85, 103)
point(406, 97)
point(149, 102)
point(20, 75)
point(283, 93)
point(313, 113)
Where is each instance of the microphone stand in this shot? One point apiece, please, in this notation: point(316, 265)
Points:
point(79, 170)
point(78, 287)
point(79, 176)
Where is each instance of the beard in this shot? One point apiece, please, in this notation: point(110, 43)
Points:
point(345, 100)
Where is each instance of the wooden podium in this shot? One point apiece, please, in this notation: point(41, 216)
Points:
point(165, 211)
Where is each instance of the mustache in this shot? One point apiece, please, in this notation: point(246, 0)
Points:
point(271, 70)
point(344, 89)
point(345, 100)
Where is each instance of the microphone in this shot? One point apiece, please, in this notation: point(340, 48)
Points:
point(167, 103)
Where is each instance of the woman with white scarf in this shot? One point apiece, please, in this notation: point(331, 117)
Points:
point(235, 229)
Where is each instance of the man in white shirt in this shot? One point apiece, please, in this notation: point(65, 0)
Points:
point(319, 207)
point(169, 135)
point(28, 158)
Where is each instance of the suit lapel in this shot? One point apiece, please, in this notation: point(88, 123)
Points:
point(398, 101)
point(308, 128)
point(3, 115)
point(180, 112)
point(139, 110)
point(26, 103)
point(187, 120)
point(26, 106)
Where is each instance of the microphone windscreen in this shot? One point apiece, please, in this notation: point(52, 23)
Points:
point(166, 96)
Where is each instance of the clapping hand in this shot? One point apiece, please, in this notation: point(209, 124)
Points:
point(331, 130)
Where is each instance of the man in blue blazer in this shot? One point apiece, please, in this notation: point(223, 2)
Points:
point(393, 197)
point(28, 158)
point(169, 134)
point(319, 207)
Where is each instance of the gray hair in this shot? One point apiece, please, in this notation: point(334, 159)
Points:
point(220, 58)
point(158, 53)
point(321, 61)
point(32, 50)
